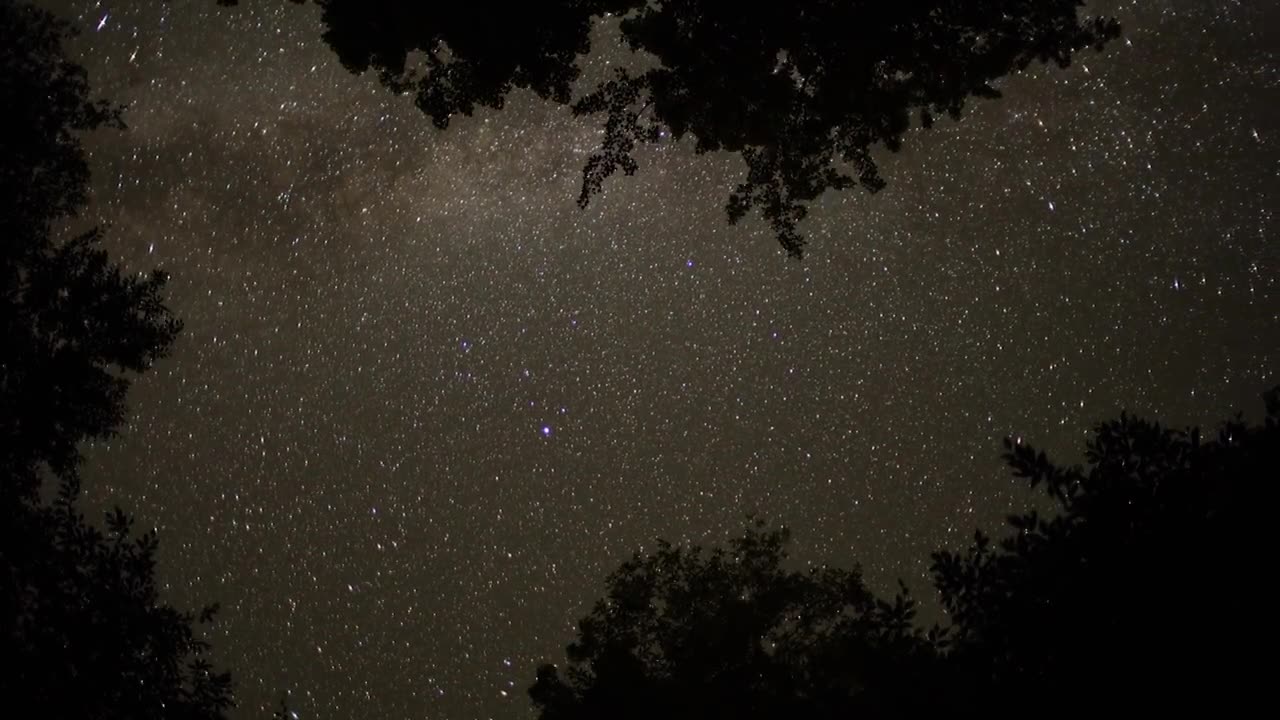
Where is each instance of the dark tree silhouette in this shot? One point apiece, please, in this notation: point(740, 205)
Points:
point(83, 632)
point(74, 325)
point(1142, 592)
point(803, 91)
point(1143, 589)
point(687, 633)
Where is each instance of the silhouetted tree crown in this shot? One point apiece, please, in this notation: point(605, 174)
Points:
point(83, 631)
point(803, 91)
point(688, 633)
point(44, 177)
point(74, 324)
point(1142, 588)
point(1141, 592)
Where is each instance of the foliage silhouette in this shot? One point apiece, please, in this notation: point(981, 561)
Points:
point(801, 90)
point(685, 633)
point(75, 325)
point(1138, 584)
point(1138, 593)
point(83, 632)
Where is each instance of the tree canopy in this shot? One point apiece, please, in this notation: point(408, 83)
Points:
point(83, 630)
point(688, 633)
point(802, 91)
point(1146, 578)
point(75, 325)
point(1136, 592)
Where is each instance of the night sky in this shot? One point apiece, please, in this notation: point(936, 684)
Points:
point(424, 404)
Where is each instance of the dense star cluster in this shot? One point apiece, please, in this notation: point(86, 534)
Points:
point(423, 403)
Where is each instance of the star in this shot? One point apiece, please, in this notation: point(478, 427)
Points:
point(381, 314)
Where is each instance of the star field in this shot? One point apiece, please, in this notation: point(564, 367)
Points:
point(423, 404)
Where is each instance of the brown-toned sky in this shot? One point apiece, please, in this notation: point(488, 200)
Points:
point(424, 404)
